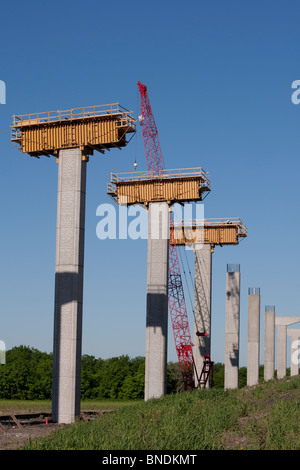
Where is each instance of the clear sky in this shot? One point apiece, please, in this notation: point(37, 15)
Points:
point(219, 78)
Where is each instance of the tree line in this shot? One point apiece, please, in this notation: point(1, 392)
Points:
point(27, 375)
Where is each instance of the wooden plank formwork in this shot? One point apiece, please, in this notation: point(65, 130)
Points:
point(86, 128)
point(170, 185)
point(228, 232)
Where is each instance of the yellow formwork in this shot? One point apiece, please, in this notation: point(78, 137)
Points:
point(208, 231)
point(183, 185)
point(91, 128)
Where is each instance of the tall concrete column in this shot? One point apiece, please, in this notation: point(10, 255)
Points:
point(295, 336)
point(282, 322)
point(269, 346)
point(232, 327)
point(68, 286)
point(253, 336)
point(202, 305)
point(157, 300)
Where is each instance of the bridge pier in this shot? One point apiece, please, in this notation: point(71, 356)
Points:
point(67, 339)
point(269, 345)
point(253, 336)
point(232, 327)
point(157, 300)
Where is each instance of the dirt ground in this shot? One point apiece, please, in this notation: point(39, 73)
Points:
point(13, 437)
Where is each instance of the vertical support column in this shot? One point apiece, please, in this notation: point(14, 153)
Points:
point(202, 305)
point(281, 351)
point(269, 346)
point(68, 286)
point(295, 356)
point(232, 327)
point(157, 300)
point(253, 335)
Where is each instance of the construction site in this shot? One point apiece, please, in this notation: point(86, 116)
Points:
point(73, 137)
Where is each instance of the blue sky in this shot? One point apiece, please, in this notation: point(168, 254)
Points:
point(219, 78)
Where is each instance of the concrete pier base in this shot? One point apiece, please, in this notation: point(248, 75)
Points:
point(282, 322)
point(232, 327)
point(202, 305)
point(253, 336)
point(295, 350)
point(68, 286)
point(157, 300)
point(269, 345)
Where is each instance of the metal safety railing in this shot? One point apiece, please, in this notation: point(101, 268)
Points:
point(253, 291)
point(214, 221)
point(234, 221)
point(75, 113)
point(269, 308)
point(233, 268)
point(162, 174)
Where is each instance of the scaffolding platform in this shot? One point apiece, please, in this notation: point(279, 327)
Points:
point(227, 231)
point(171, 186)
point(89, 128)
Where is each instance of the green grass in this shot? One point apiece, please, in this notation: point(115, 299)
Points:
point(44, 406)
point(22, 406)
point(266, 417)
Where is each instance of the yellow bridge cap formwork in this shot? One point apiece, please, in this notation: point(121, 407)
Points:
point(220, 232)
point(90, 128)
point(171, 186)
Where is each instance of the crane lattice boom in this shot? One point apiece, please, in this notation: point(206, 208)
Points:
point(150, 134)
point(177, 305)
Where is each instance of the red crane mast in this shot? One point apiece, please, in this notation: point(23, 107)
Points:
point(177, 305)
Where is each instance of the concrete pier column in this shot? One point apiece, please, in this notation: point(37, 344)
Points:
point(157, 300)
point(232, 326)
point(281, 351)
point(253, 336)
point(295, 356)
point(269, 346)
point(282, 322)
point(202, 305)
point(68, 286)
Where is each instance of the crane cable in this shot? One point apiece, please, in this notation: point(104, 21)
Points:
point(136, 140)
point(189, 294)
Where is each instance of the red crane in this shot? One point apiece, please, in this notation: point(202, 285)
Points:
point(177, 306)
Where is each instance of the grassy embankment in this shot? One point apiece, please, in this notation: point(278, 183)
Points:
point(264, 417)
